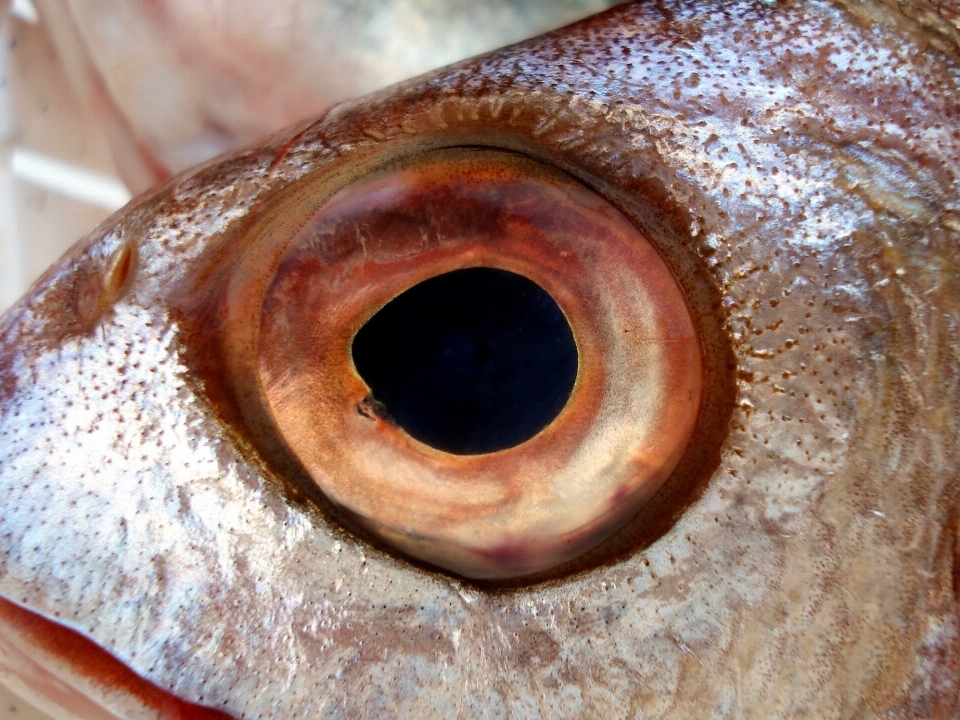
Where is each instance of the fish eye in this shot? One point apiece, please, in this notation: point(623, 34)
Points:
point(481, 361)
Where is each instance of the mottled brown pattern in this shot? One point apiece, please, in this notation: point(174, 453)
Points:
point(796, 165)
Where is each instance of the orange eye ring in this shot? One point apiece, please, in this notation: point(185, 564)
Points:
point(530, 507)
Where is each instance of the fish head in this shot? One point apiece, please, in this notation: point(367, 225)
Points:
point(794, 166)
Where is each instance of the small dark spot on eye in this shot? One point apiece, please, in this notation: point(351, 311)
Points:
point(373, 409)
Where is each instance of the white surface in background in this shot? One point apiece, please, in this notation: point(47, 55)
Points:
point(25, 10)
point(68, 180)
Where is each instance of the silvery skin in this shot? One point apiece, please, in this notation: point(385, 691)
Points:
point(796, 161)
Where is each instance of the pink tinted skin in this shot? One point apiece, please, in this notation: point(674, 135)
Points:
point(795, 167)
point(78, 676)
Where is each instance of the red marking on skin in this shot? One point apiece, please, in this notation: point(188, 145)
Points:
point(510, 555)
point(87, 660)
point(620, 495)
point(285, 149)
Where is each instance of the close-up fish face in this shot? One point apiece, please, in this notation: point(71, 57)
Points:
point(738, 496)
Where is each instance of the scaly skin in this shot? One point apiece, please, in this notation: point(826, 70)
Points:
point(797, 166)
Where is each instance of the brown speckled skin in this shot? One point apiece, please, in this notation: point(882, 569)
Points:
point(797, 165)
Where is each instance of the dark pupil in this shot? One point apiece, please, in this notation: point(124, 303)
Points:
point(469, 362)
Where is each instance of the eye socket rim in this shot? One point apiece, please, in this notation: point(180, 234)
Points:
point(320, 157)
point(412, 542)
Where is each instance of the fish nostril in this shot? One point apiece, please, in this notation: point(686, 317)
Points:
point(97, 291)
point(118, 270)
point(471, 361)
